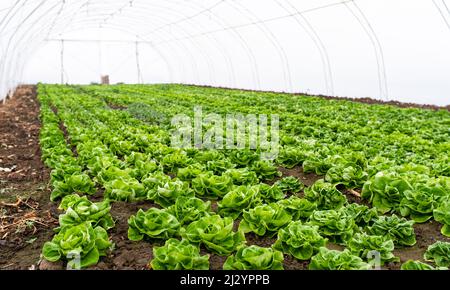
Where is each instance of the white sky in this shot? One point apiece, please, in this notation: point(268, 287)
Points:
point(413, 37)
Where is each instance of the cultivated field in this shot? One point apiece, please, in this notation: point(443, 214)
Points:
point(90, 178)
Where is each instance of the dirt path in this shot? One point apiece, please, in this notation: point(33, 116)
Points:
point(26, 215)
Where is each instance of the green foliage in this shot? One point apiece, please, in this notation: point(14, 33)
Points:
point(270, 193)
point(265, 170)
point(265, 219)
point(81, 209)
point(255, 258)
point(172, 162)
point(210, 185)
point(361, 214)
point(442, 215)
point(290, 157)
point(154, 223)
point(336, 260)
point(219, 166)
point(419, 266)
point(190, 172)
point(337, 226)
point(76, 183)
point(188, 209)
point(348, 174)
point(325, 195)
point(439, 253)
point(385, 191)
point(243, 158)
point(364, 245)
point(168, 193)
point(290, 184)
point(298, 208)
point(125, 190)
point(400, 230)
point(242, 176)
point(420, 202)
point(302, 241)
point(80, 245)
point(238, 199)
point(178, 255)
point(216, 233)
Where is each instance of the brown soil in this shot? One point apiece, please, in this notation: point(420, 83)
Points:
point(28, 181)
point(25, 225)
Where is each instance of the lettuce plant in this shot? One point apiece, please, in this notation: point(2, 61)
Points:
point(81, 245)
point(216, 233)
point(265, 219)
point(190, 172)
point(420, 202)
point(398, 229)
point(270, 193)
point(238, 199)
point(242, 176)
point(361, 214)
point(154, 223)
point(442, 215)
point(125, 190)
point(112, 173)
point(178, 255)
point(143, 168)
point(290, 184)
point(325, 195)
point(76, 183)
point(173, 161)
point(348, 174)
point(362, 244)
point(167, 194)
point(290, 156)
point(300, 240)
point(336, 260)
point(385, 191)
point(81, 209)
point(298, 208)
point(255, 258)
point(188, 209)
point(210, 185)
point(419, 266)
point(243, 158)
point(204, 156)
point(439, 253)
point(219, 166)
point(265, 170)
point(59, 173)
point(153, 181)
point(337, 226)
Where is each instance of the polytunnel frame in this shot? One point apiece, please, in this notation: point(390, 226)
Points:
point(273, 39)
point(15, 55)
point(227, 61)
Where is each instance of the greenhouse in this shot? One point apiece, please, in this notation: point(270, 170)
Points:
point(225, 135)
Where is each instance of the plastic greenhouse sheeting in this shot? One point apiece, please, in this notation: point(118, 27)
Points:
point(384, 49)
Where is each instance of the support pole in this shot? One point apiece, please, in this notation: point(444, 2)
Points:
point(138, 66)
point(62, 61)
